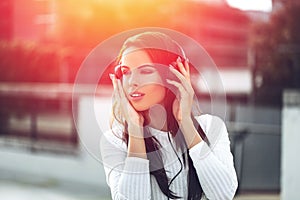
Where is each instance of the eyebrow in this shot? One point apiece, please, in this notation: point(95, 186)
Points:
point(146, 65)
point(139, 67)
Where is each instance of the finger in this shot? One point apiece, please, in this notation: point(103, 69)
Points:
point(111, 76)
point(115, 94)
point(181, 89)
point(184, 81)
point(181, 67)
point(176, 110)
point(113, 80)
point(120, 89)
point(187, 66)
point(121, 98)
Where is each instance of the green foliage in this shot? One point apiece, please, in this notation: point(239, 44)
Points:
point(277, 51)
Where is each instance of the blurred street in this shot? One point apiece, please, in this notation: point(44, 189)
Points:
point(19, 186)
point(23, 187)
point(50, 191)
point(10, 190)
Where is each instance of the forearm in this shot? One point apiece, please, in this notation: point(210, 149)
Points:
point(190, 133)
point(136, 143)
point(127, 177)
point(134, 182)
point(218, 179)
point(214, 162)
point(136, 147)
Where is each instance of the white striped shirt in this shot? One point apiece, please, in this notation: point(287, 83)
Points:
point(129, 177)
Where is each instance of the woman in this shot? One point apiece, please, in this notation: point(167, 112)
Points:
point(157, 148)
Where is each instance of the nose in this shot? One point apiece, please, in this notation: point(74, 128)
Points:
point(134, 78)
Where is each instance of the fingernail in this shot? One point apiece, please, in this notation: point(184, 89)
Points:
point(187, 60)
point(111, 76)
point(171, 66)
point(179, 59)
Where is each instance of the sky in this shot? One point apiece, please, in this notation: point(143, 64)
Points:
point(257, 5)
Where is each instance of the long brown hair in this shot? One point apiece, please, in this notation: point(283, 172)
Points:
point(163, 50)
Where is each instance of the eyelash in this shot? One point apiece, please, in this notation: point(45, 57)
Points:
point(142, 71)
point(146, 71)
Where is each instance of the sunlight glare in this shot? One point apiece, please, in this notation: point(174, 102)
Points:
point(255, 5)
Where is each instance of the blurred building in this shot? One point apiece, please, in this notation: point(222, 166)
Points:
point(27, 20)
point(6, 18)
point(223, 31)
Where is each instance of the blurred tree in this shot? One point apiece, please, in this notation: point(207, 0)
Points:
point(277, 54)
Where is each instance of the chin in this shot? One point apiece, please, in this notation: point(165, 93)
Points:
point(141, 109)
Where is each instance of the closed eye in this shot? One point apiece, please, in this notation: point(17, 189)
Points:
point(147, 69)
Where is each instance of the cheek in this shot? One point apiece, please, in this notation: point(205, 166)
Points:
point(155, 94)
point(125, 86)
point(158, 92)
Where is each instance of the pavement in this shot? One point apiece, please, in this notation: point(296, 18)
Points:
point(52, 190)
point(10, 190)
point(256, 196)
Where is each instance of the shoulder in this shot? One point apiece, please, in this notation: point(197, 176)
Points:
point(208, 121)
point(113, 137)
point(214, 128)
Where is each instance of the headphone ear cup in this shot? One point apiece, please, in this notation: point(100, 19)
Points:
point(118, 72)
point(174, 64)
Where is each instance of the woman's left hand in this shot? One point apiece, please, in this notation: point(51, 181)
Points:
point(182, 105)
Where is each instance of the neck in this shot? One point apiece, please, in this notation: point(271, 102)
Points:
point(157, 117)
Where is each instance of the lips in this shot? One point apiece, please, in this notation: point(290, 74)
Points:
point(135, 96)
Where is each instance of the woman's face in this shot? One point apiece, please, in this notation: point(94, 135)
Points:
point(141, 80)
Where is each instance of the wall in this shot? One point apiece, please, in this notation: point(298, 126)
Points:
point(290, 164)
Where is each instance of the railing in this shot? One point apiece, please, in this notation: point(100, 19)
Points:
point(255, 134)
point(39, 117)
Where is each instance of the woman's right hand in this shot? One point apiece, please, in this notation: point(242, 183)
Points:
point(134, 119)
